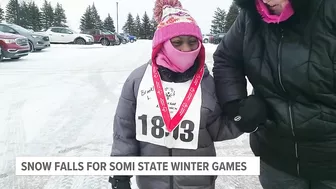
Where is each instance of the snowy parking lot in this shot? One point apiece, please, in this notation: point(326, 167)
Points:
point(61, 102)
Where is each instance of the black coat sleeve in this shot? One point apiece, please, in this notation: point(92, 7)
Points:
point(330, 11)
point(228, 67)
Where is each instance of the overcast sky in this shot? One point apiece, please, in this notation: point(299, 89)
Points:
point(201, 10)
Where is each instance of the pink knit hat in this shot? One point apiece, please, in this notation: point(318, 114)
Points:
point(173, 21)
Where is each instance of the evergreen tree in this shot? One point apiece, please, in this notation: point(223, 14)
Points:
point(35, 16)
point(109, 24)
point(2, 14)
point(60, 18)
point(98, 24)
point(153, 26)
point(25, 16)
point(47, 15)
point(12, 9)
point(129, 26)
point(87, 21)
point(231, 17)
point(146, 27)
point(138, 26)
point(218, 23)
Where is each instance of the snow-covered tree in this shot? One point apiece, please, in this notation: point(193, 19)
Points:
point(146, 27)
point(231, 16)
point(34, 17)
point(129, 26)
point(98, 24)
point(47, 18)
point(87, 21)
point(218, 22)
point(12, 12)
point(109, 24)
point(138, 26)
point(25, 16)
point(60, 18)
point(153, 26)
point(2, 14)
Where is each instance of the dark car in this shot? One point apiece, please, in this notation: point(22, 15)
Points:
point(13, 46)
point(216, 39)
point(122, 38)
point(131, 38)
point(36, 41)
point(103, 37)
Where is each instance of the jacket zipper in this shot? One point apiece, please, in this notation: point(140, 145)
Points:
point(289, 103)
point(171, 178)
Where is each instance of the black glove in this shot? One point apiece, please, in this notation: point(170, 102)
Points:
point(248, 113)
point(120, 182)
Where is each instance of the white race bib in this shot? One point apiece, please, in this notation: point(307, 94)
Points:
point(150, 126)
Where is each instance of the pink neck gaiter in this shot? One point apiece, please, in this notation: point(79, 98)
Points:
point(175, 60)
point(268, 17)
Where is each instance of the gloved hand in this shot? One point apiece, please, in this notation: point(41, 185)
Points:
point(248, 113)
point(120, 182)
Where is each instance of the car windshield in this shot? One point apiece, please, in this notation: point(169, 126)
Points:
point(20, 29)
point(107, 32)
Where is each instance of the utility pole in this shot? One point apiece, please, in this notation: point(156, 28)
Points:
point(17, 12)
point(117, 18)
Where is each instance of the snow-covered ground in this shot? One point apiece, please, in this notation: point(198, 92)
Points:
point(61, 102)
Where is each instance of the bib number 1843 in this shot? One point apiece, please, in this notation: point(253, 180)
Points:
point(157, 128)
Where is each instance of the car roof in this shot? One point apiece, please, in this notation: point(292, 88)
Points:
point(59, 27)
point(8, 24)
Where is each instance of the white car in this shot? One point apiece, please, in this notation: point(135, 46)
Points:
point(66, 35)
point(206, 38)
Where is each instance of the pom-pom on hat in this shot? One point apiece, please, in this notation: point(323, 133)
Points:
point(173, 21)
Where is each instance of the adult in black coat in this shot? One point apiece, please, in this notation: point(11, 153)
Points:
point(291, 64)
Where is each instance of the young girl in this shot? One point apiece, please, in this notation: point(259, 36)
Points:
point(174, 83)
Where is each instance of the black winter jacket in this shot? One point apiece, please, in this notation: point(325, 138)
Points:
point(292, 66)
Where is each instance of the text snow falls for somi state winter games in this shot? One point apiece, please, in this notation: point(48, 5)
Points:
point(137, 165)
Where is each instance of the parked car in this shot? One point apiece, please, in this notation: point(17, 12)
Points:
point(103, 37)
point(131, 38)
point(66, 35)
point(13, 46)
point(36, 41)
point(216, 39)
point(122, 38)
point(117, 39)
point(206, 38)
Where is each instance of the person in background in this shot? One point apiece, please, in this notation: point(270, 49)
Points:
point(143, 127)
point(287, 50)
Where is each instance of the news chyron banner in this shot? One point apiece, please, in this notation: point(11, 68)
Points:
point(137, 166)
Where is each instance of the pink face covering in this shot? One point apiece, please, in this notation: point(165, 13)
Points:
point(268, 17)
point(175, 60)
